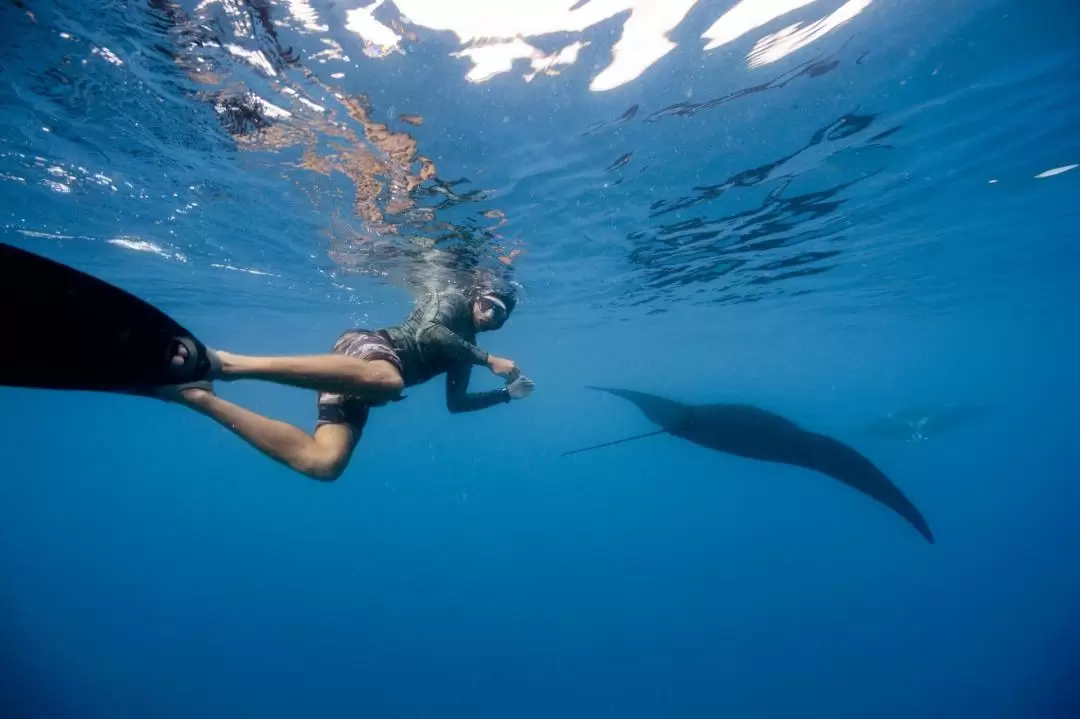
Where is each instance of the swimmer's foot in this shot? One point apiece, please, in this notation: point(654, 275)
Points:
point(190, 392)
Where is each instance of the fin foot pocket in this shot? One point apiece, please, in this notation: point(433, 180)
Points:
point(200, 364)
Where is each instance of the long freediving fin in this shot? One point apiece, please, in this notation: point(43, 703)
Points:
point(64, 329)
point(618, 441)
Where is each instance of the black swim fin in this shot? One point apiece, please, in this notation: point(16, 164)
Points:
point(63, 329)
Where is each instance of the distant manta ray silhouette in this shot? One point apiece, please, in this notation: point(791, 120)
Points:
point(754, 433)
point(918, 424)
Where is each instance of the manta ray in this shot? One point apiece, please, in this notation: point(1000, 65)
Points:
point(919, 424)
point(754, 433)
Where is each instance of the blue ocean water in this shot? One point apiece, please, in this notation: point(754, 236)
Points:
point(860, 215)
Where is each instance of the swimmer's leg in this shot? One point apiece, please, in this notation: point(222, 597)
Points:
point(378, 380)
point(321, 456)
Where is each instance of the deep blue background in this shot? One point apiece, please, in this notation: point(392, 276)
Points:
point(152, 565)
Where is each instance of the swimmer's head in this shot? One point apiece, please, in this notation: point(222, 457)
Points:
point(492, 306)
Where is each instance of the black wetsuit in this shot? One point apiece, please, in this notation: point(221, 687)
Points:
point(439, 336)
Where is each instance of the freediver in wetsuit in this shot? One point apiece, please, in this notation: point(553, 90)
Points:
point(365, 369)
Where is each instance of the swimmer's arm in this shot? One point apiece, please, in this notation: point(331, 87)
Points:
point(458, 397)
point(455, 346)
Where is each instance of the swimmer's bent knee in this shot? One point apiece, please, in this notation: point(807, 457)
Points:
point(383, 377)
point(390, 380)
point(322, 465)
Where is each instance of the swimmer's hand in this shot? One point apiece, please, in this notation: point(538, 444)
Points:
point(520, 388)
point(505, 368)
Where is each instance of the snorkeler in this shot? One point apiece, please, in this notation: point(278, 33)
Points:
point(136, 349)
point(365, 369)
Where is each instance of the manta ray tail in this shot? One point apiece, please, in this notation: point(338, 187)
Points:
point(618, 441)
